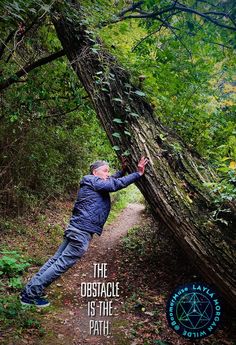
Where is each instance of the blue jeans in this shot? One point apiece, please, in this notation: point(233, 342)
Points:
point(69, 252)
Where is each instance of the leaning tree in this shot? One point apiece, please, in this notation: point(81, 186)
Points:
point(175, 184)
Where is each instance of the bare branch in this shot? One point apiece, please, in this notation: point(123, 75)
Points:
point(21, 32)
point(60, 114)
point(178, 38)
point(207, 17)
point(137, 13)
point(131, 8)
point(154, 32)
point(27, 69)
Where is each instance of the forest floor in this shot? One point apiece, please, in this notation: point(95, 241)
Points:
point(147, 264)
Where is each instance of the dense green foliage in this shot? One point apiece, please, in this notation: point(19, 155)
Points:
point(49, 133)
point(48, 130)
point(12, 265)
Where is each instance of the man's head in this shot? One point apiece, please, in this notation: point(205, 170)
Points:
point(100, 169)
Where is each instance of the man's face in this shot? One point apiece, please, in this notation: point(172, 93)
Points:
point(103, 172)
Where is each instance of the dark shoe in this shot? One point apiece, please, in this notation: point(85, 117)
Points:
point(37, 301)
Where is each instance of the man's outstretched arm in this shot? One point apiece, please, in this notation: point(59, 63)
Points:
point(114, 184)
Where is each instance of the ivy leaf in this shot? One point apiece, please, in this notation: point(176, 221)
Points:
point(46, 8)
point(116, 134)
point(127, 133)
point(126, 153)
point(128, 85)
point(117, 100)
point(134, 114)
point(140, 93)
point(89, 31)
point(95, 51)
point(91, 40)
point(116, 148)
point(117, 120)
point(162, 136)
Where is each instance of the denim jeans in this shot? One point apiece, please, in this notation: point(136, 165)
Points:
point(69, 252)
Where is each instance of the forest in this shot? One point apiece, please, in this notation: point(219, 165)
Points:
point(108, 80)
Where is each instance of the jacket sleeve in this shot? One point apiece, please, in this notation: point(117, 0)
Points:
point(114, 184)
point(118, 174)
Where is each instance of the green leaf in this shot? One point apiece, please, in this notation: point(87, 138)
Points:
point(92, 40)
point(89, 31)
point(94, 50)
point(46, 7)
point(116, 148)
point(116, 134)
point(117, 120)
point(127, 133)
point(126, 153)
point(140, 93)
point(117, 100)
point(134, 114)
point(162, 136)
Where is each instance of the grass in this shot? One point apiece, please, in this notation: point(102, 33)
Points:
point(121, 199)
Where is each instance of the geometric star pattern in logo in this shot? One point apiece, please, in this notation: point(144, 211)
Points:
point(194, 310)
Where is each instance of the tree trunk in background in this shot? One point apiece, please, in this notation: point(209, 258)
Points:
point(174, 180)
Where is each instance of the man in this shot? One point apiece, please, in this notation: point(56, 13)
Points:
point(89, 215)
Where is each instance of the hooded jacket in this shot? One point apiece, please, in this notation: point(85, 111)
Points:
point(93, 202)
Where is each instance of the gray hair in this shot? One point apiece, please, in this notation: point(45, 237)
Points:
point(97, 164)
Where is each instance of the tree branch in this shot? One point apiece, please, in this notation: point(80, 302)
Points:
point(207, 17)
point(25, 70)
point(138, 13)
point(179, 39)
point(53, 116)
point(21, 31)
point(145, 37)
point(155, 31)
point(131, 8)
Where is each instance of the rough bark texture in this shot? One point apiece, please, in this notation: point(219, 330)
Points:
point(174, 181)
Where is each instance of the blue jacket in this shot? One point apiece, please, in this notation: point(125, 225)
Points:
point(93, 203)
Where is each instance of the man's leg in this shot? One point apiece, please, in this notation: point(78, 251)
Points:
point(66, 258)
point(53, 258)
point(47, 264)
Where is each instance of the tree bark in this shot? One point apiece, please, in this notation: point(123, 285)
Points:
point(174, 180)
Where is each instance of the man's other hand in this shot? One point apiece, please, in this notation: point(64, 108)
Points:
point(141, 165)
point(124, 164)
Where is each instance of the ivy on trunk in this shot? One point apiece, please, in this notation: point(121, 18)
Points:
point(175, 180)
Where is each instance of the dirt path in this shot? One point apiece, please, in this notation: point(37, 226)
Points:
point(68, 322)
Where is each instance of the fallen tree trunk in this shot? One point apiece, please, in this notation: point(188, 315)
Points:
point(174, 184)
